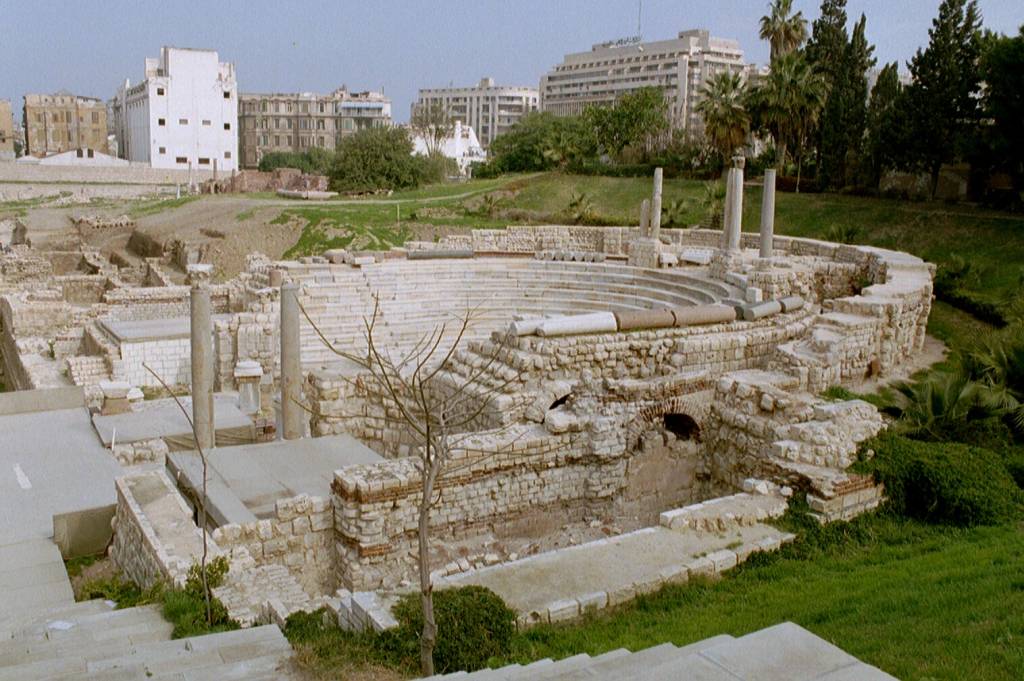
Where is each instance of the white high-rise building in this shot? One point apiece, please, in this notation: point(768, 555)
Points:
point(184, 114)
point(487, 108)
point(678, 67)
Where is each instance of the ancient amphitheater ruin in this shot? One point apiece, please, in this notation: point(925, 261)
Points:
point(647, 399)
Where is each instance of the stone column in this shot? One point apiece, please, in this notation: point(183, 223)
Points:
point(768, 213)
point(291, 364)
point(645, 218)
point(655, 232)
point(202, 366)
point(735, 227)
point(727, 208)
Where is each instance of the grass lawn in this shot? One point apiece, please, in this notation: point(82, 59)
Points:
point(992, 241)
point(153, 207)
point(919, 602)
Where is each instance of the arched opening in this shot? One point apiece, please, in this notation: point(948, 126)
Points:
point(559, 402)
point(682, 426)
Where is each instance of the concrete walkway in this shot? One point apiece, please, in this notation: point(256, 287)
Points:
point(559, 585)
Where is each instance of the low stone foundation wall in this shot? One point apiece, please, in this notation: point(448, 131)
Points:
point(300, 536)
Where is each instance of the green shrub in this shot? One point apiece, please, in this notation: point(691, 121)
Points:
point(377, 159)
point(944, 483)
point(1013, 459)
point(186, 607)
point(473, 626)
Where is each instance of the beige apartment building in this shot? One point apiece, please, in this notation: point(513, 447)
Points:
point(487, 108)
point(63, 121)
point(301, 121)
point(6, 131)
point(679, 67)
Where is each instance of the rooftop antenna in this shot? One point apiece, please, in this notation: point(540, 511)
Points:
point(639, 18)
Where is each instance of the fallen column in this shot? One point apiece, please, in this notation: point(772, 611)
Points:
point(439, 253)
point(761, 310)
point(201, 332)
point(791, 303)
point(703, 314)
point(595, 322)
point(291, 364)
point(768, 214)
point(631, 320)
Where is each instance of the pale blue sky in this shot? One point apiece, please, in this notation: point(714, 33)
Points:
point(90, 47)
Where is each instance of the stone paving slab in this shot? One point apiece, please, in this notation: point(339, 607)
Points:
point(618, 567)
point(50, 462)
point(163, 419)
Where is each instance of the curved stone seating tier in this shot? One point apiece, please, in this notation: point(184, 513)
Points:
point(415, 298)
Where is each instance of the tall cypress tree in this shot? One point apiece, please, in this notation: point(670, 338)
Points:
point(884, 137)
point(826, 50)
point(942, 106)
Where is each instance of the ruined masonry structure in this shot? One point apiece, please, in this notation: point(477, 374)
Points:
point(652, 397)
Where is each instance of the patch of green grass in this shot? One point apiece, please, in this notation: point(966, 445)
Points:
point(119, 590)
point(20, 207)
point(325, 650)
point(145, 208)
point(956, 328)
point(245, 215)
point(918, 601)
point(838, 393)
point(74, 566)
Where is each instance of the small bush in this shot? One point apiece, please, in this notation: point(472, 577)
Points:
point(186, 607)
point(944, 483)
point(473, 626)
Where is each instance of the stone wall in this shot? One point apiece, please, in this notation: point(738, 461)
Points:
point(157, 543)
point(530, 239)
point(134, 174)
point(300, 536)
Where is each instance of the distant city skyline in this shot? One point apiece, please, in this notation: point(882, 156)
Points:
point(89, 48)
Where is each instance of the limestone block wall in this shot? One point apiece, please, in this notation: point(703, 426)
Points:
point(148, 303)
point(158, 543)
point(169, 358)
point(761, 425)
point(496, 479)
point(246, 336)
point(83, 289)
point(529, 239)
point(300, 536)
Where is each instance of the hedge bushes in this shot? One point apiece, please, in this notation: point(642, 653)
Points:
point(473, 626)
point(945, 483)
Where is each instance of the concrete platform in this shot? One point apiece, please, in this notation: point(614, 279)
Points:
point(50, 462)
point(143, 330)
point(163, 419)
point(245, 481)
point(626, 564)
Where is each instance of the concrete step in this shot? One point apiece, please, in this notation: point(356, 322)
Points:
point(615, 667)
point(257, 653)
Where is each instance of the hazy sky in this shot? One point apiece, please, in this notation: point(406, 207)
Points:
point(400, 46)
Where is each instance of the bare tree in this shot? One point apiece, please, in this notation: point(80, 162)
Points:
point(203, 520)
point(432, 122)
point(438, 411)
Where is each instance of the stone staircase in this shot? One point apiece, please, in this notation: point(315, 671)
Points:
point(92, 640)
point(784, 652)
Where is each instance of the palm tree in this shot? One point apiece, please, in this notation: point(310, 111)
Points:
point(941, 406)
point(784, 32)
point(787, 105)
point(726, 120)
point(998, 363)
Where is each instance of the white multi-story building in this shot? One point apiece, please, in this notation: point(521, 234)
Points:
point(462, 146)
point(679, 67)
point(487, 108)
point(183, 115)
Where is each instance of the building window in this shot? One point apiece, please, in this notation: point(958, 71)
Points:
point(159, 90)
point(227, 154)
point(90, 153)
point(227, 95)
point(206, 121)
point(161, 121)
point(182, 121)
point(163, 150)
point(80, 154)
point(227, 126)
point(277, 140)
point(204, 161)
point(181, 159)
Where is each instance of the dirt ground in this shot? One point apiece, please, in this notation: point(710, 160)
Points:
point(213, 221)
